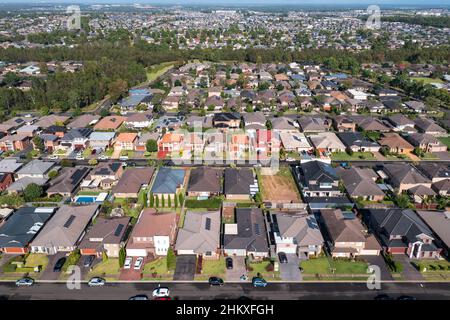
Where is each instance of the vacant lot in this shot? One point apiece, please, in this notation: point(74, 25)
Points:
point(279, 187)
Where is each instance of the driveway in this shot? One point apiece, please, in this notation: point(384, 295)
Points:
point(48, 273)
point(290, 271)
point(379, 261)
point(238, 270)
point(409, 272)
point(185, 268)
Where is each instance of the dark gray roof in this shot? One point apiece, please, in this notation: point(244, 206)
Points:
point(205, 179)
point(68, 180)
point(251, 234)
point(23, 226)
point(351, 139)
point(238, 181)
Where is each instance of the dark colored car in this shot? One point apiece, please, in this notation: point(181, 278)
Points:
point(405, 298)
point(229, 263)
point(139, 297)
point(282, 257)
point(88, 261)
point(382, 297)
point(59, 264)
point(215, 281)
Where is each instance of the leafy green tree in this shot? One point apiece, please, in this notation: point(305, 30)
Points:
point(156, 201)
point(152, 200)
point(32, 192)
point(169, 202)
point(175, 200)
point(122, 256)
point(163, 201)
point(171, 259)
point(151, 145)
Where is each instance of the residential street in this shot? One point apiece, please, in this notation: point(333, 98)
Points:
point(202, 291)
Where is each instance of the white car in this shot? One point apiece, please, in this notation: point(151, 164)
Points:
point(103, 157)
point(96, 282)
point(161, 292)
point(79, 157)
point(24, 282)
point(138, 263)
point(53, 157)
point(127, 264)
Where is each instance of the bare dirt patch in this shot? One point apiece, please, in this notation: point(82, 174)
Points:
point(279, 188)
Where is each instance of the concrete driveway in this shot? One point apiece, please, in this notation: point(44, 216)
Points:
point(379, 261)
point(409, 272)
point(185, 268)
point(48, 273)
point(290, 271)
point(238, 270)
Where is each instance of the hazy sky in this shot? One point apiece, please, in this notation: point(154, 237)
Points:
point(403, 3)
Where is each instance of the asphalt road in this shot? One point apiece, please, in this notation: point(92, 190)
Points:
point(202, 291)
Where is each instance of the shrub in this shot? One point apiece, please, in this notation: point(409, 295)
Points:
point(72, 259)
point(270, 267)
point(171, 259)
point(152, 200)
point(122, 256)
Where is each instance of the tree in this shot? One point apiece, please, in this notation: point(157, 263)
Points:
point(152, 200)
point(169, 201)
point(156, 202)
point(117, 89)
point(171, 259)
point(122, 256)
point(402, 200)
point(151, 145)
point(32, 192)
point(269, 125)
point(104, 256)
point(53, 174)
point(93, 162)
point(175, 201)
point(104, 113)
point(144, 199)
point(180, 198)
point(163, 201)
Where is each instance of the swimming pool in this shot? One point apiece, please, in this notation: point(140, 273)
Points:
point(86, 199)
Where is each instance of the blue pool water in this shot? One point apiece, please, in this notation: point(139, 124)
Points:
point(86, 199)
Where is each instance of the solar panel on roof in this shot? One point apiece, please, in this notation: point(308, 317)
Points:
point(256, 228)
point(208, 224)
point(118, 230)
point(69, 221)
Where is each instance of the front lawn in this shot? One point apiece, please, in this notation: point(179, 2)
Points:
point(344, 156)
point(429, 156)
point(445, 140)
point(36, 259)
point(324, 265)
point(106, 268)
point(432, 266)
point(214, 267)
point(264, 268)
point(157, 267)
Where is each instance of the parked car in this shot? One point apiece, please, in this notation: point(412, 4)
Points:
point(96, 282)
point(161, 292)
point(229, 263)
point(215, 281)
point(382, 297)
point(25, 282)
point(405, 298)
point(139, 297)
point(259, 282)
point(127, 264)
point(88, 261)
point(282, 257)
point(59, 264)
point(138, 263)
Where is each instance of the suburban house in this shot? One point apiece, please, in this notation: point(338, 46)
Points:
point(205, 182)
point(84, 120)
point(50, 120)
point(36, 169)
point(139, 120)
point(248, 236)
point(395, 143)
point(153, 234)
point(357, 142)
point(68, 181)
point(65, 230)
point(343, 123)
point(136, 97)
point(254, 121)
point(426, 142)
point(76, 139)
point(103, 176)
point(280, 124)
point(317, 179)
point(132, 181)
point(327, 142)
point(10, 165)
point(200, 235)
point(101, 140)
point(109, 123)
point(435, 171)
point(141, 143)
point(405, 176)
point(125, 141)
point(5, 180)
point(170, 142)
point(401, 122)
point(402, 231)
point(439, 223)
point(314, 124)
point(229, 120)
point(426, 125)
point(373, 124)
point(22, 227)
point(168, 183)
point(416, 106)
point(15, 142)
point(239, 184)
point(294, 141)
point(345, 235)
point(360, 183)
point(106, 235)
point(295, 233)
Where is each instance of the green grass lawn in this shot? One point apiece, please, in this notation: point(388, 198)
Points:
point(158, 266)
point(427, 80)
point(429, 156)
point(88, 193)
point(214, 267)
point(109, 267)
point(36, 259)
point(108, 152)
point(323, 266)
point(373, 135)
point(344, 156)
point(260, 267)
point(445, 140)
point(158, 70)
point(433, 266)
